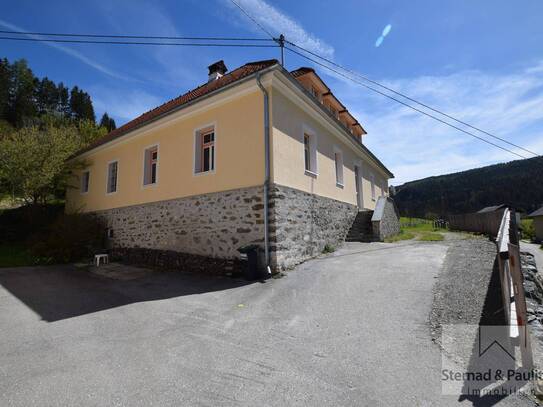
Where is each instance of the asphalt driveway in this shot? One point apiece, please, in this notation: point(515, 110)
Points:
point(350, 329)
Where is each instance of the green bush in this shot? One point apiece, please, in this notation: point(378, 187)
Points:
point(19, 224)
point(528, 230)
point(70, 237)
point(328, 248)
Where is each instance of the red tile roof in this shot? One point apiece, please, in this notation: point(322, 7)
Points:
point(237, 74)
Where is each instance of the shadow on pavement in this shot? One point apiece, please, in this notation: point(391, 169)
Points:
point(59, 292)
point(492, 316)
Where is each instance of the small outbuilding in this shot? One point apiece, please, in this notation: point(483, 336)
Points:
point(492, 208)
point(538, 223)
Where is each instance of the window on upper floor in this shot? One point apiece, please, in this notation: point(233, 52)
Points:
point(112, 172)
point(150, 166)
point(338, 159)
point(310, 153)
point(205, 150)
point(85, 179)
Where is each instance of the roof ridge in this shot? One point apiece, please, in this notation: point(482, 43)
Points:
point(191, 95)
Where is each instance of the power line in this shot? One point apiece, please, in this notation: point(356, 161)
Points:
point(253, 19)
point(187, 44)
point(148, 37)
point(365, 78)
point(403, 103)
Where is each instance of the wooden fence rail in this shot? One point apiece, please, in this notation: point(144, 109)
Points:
point(487, 223)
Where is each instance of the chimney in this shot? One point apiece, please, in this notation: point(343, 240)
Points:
point(216, 70)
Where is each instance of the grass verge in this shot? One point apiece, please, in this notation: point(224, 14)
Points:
point(431, 237)
point(403, 235)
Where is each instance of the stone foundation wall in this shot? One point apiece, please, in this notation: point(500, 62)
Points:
point(174, 260)
point(212, 225)
point(303, 223)
point(386, 219)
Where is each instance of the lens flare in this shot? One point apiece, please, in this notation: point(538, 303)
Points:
point(379, 41)
point(386, 30)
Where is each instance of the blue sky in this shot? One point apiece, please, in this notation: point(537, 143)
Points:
point(479, 61)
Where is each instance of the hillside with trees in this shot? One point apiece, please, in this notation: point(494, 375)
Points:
point(517, 183)
point(42, 124)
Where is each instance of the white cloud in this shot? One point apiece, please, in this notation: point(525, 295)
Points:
point(277, 23)
point(69, 51)
point(414, 146)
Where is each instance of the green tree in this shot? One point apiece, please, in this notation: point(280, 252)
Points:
point(88, 132)
point(5, 86)
point(81, 105)
point(33, 161)
point(107, 122)
point(47, 96)
point(22, 104)
point(63, 100)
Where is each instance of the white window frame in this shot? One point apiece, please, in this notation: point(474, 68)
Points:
point(372, 181)
point(145, 162)
point(313, 151)
point(339, 166)
point(116, 178)
point(196, 149)
point(83, 192)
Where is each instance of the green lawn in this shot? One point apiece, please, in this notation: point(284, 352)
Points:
point(15, 256)
point(401, 236)
point(431, 237)
point(421, 229)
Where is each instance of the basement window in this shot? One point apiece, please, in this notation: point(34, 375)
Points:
point(85, 178)
point(204, 159)
point(112, 171)
point(150, 166)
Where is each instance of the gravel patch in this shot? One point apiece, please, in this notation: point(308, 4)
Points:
point(462, 285)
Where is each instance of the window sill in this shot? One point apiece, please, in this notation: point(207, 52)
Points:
point(340, 185)
point(201, 173)
point(84, 193)
point(311, 173)
point(145, 186)
point(111, 193)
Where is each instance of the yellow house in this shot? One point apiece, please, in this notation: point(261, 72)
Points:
point(258, 154)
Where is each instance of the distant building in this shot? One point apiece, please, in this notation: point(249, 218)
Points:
point(492, 208)
point(538, 223)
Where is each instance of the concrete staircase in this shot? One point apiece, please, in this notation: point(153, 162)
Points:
point(361, 230)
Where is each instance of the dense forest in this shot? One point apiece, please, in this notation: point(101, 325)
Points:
point(42, 124)
point(24, 98)
point(517, 183)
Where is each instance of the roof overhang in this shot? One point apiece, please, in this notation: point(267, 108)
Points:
point(289, 86)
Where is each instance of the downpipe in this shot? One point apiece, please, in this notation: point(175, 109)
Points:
point(266, 170)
